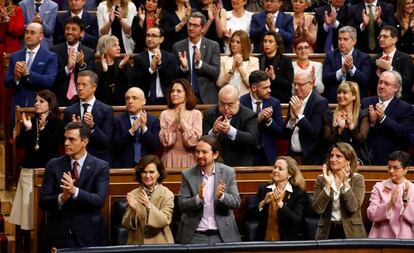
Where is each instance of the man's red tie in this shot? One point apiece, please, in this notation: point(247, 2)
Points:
point(74, 172)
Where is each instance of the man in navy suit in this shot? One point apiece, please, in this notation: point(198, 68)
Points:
point(95, 114)
point(73, 192)
point(154, 68)
point(304, 122)
point(76, 8)
point(43, 12)
point(272, 18)
point(391, 118)
point(345, 63)
point(136, 132)
point(31, 69)
point(73, 57)
point(269, 116)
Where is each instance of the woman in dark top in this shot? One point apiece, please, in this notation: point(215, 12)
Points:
point(113, 73)
point(173, 20)
point(348, 123)
point(278, 67)
point(281, 202)
point(147, 17)
point(405, 25)
point(216, 22)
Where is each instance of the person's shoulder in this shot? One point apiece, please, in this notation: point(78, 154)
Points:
point(98, 162)
point(211, 111)
point(225, 168)
point(87, 50)
point(190, 171)
point(120, 117)
point(103, 106)
point(273, 101)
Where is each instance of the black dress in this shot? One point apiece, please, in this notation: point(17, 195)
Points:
point(168, 22)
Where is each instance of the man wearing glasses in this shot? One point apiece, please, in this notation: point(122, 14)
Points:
point(154, 68)
point(304, 122)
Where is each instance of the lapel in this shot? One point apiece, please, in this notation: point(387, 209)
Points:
point(391, 106)
point(186, 45)
point(197, 178)
point(218, 175)
point(65, 54)
point(338, 59)
point(67, 166)
point(86, 170)
point(396, 60)
point(37, 58)
point(127, 121)
point(146, 59)
point(355, 57)
point(44, 8)
point(279, 19)
point(249, 102)
point(95, 111)
point(203, 50)
point(309, 103)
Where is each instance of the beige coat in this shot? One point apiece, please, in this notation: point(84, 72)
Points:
point(151, 226)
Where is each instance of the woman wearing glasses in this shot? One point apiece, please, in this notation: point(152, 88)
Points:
point(391, 207)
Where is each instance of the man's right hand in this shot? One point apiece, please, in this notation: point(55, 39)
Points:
point(202, 190)
point(182, 59)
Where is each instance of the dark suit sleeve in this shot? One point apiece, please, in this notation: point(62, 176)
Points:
point(402, 127)
point(59, 33)
point(121, 137)
point(257, 28)
point(293, 212)
point(141, 73)
point(284, 76)
point(312, 126)
point(287, 30)
point(91, 32)
point(276, 127)
point(250, 133)
point(48, 197)
point(10, 82)
point(208, 121)
point(329, 71)
point(363, 71)
point(151, 139)
point(102, 131)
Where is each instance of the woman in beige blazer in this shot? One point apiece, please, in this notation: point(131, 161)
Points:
point(150, 206)
point(339, 193)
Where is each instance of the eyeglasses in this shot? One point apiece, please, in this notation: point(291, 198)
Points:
point(271, 1)
point(193, 25)
point(302, 48)
point(383, 36)
point(150, 35)
point(394, 167)
point(300, 85)
point(385, 83)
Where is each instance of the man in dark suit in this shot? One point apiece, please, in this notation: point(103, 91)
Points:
point(235, 127)
point(304, 122)
point(345, 63)
point(90, 35)
point(330, 18)
point(154, 68)
point(392, 59)
point(273, 19)
point(367, 18)
point(73, 192)
point(208, 195)
point(136, 133)
point(90, 5)
point(30, 69)
point(391, 118)
point(73, 57)
point(199, 60)
point(269, 116)
point(95, 114)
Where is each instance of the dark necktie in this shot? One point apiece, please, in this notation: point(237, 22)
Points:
point(194, 76)
point(153, 85)
point(37, 5)
point(85, 109)
point(74, 173)
point(137, 143)
point(328, 41)
point(258, 103)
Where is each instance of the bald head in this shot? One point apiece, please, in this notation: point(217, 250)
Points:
point(229, 90)
point(134, 100)
point(33, 35)
point(229, 100)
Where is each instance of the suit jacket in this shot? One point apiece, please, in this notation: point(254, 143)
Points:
point(61, 85)
point(151, 227)
point(351, 202)
point(42, 75)
point(239, 152)
point(144, 78)
point(123, 141)
point(387, 18)
point(269, 133)
point(393, 133)
point(284, 22)
point(100, 140)
point(333, 62)
point(396, 222)
point(48, 13)
point(90, 38)
point(342, 16)
point(78, 220)
point(310, 129)
point(192, 213)
point(281, 86)
point(290, 215)
point(401, 62)
point(209, 71)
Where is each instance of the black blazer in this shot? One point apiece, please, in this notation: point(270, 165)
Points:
point(290, 215)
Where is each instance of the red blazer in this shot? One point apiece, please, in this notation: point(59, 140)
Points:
point(11, 32)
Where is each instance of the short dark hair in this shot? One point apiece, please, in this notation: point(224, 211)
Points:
point(76, 21)
point(51, 99)
point(162, 32)
point(278, 38)
point(401, 156)
point(214, 143)
point(84, 130)
point(393, 31)
point(257, 76)
point(144, 162)
point(92, 75)
point(199, 15)
point(190, 98)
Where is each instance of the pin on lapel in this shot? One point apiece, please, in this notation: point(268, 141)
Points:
point(88, 167)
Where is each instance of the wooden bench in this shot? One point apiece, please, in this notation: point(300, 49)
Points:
point(248, 180)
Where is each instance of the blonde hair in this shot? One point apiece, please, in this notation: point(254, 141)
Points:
point(105, 42)
point(124, 6)
point(356, 105)
point(297, 178)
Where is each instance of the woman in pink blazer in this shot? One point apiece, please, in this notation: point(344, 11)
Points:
point(391, 207)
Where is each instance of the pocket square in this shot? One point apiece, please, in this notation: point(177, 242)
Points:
point(47, 12)
point(86, 27)
point(41, 63)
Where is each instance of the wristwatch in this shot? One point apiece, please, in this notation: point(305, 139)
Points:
point(231, 72)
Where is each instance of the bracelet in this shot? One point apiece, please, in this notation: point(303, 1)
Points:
point(231, 72)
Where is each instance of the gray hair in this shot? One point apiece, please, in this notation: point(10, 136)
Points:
point(398, 81)
point(199, 15)
point(350, 30)
point(92, 76)
point(229, 89)
point(105, 42)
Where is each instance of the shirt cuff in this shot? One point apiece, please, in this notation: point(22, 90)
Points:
point(150, 70)
point(211, 133)
point(232, 133)
point(198, 200)
point(60, 202)
point(339, 75)
point(143, 131)
point(345, 189)
point(199, 65)
point(383, 118)
point(76, 193)
point(352, 71)
point(336, 24)
point(67, 70)
point(183, 69)
point(268, 123)
point(222, 197)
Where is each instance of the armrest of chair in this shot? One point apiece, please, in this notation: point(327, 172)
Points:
point(119, 234)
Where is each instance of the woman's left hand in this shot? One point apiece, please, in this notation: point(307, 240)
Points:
point(132, 201)
point(124, 61)
point(143, 199)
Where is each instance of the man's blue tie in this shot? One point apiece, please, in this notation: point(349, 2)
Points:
point(37, 5)
point(137, 143)
point(194, 76)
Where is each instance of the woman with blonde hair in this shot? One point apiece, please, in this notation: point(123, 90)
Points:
point(338, 195)
point(115, 17)
point(236, 67)
point(348, 123)
point(281, 202)
point(405, 25)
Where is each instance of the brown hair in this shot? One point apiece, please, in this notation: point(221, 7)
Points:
point(124, 6)
point(349, 153)
point(399, 14)
point(144, 162)
point(214, 143)
point(246, 45)
point(190, 98)
point(51, 99)
point(356, 105)
point(297, 178)
point(279, 41)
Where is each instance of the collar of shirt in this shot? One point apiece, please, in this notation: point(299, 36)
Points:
point(255, 100)
point(349, 53)
point(198, 45)
point(76, 46)
point(374, 4)
point(79, 15)
point(391, 55)
point(38, 2)
point(34, 50)
point(275, 16)
point(288, 187)
point(386, 102)
point(212, 172)
point(90, 102)
point(81, 161)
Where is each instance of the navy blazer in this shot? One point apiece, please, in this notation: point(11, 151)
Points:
point(355, 20)
point(393, 133)
point(333, 62)
point(166, 71)
point(78, 222)
point(42, 76)
point(268, 133)
point(100, 140)
point(91, 36)
point(123, 141)
point(311, 129)
point(284, 22)
point(60, 88)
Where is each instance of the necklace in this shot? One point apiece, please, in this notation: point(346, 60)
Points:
point(151, 191)
point(303, 66)
point(36, 147)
